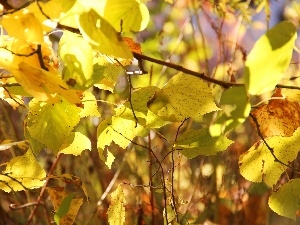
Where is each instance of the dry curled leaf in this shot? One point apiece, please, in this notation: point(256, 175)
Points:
point(278, 117)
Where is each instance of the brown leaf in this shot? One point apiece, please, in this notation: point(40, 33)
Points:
point(278, 117)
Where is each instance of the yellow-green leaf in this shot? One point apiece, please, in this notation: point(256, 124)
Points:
point(75, 144)
point(21, 173)
point(258, 164)
point(182, 97)
point(133, 14)
point(63, 209)
point(199, 142)
point(77, 56)
point(102, 35)
point(51, 124)
point(269, 58)
point(139, 101)
point(116, 210)
point(285, 201)
point(90, 107)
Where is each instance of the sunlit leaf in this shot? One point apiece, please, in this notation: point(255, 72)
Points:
point(90, 107)
point(21, 173)
point(102, 35)
point(110, 159)
point(269, 58)
point(139, 101)
point(116, 210)
point(199, 142)
point(285, 201)
point(75, 144)
point(258, 164)
point(133, 14)
point(51, 124)
point(57, 195)
point(182, 97)
point(24, 26)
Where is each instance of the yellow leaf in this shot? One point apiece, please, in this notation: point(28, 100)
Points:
point(21, 173)
point(75, 144)
point(116, 210)
point(23, 25)
point(90, 107)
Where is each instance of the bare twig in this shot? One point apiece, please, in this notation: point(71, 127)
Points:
point(16, 207)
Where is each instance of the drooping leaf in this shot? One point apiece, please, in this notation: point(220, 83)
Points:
point(116, 210)
point(51, 124)
point(118, 130)
point(269, 58)
point(90, 107)
point(57, 195)
point(182, 97)
point(285, 201)
point(258, 164)
point(199, 142)
point(139, 101)
point(133, 14)
point(110, 159)
point(43, 85)
point(102, 35)
point(236, 109)
point(75, 144)
point(21, 173)
point(63, 209)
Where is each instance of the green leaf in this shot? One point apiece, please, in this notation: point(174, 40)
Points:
point(119, 130)
point(51, 124)
point(102, 35)
point(77, 56)
point(90, 107)
point(139, 101)
point(116, 210)
point(286, 200)
point(63, 209)
point(258, 164)
point(75, 144)
point(182, 97)
point(133, 14)
point(236, 109)
point(21, 173)
point(199, 142)
point(269, 58)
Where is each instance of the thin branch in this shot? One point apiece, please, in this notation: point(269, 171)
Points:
point(16, 207)
point(44, 188)
point(40, 57)
point(185, 70)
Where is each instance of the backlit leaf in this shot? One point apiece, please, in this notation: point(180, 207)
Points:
point(102, 35)
point(75, 144)
point(51, 124)
point(269, 58)
point(116, 210)
point(133, 14)
point(182, 97)
point(285, 201)
point(21, 173)
point(258, 164)
point(199, 142)
point(6, 144)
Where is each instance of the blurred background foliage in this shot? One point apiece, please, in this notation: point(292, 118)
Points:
point(212, 37)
